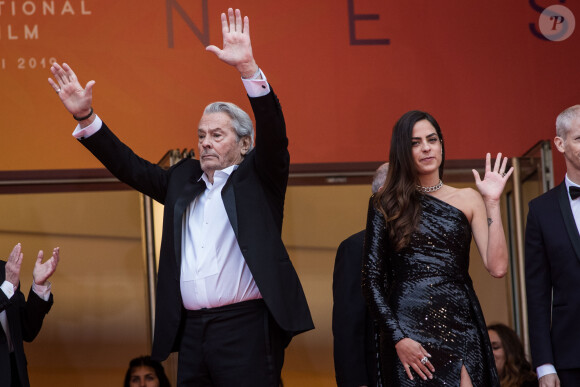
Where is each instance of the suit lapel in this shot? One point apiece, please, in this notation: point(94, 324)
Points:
point(190, 191)
point(569, 221)
point(229, 199)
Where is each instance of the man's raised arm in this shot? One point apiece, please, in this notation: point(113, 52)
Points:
point(76, 99)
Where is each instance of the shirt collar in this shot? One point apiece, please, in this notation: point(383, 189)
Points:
point(221, 173)
point(570, 183)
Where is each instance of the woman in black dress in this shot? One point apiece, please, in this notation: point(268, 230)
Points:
point(416, 261)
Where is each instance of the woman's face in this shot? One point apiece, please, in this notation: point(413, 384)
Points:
point(426, 148)
point(143, 376)
point(498, 352)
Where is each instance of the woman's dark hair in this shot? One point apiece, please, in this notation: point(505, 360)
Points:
point(147, 362)
point(399, 199)
point(517, 369)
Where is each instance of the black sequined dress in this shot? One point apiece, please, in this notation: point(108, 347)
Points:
point(424, 292)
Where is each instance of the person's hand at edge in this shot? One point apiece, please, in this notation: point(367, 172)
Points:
point(43, 271)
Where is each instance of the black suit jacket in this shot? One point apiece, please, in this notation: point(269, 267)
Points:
point(254, 201)
point(355, 352)
point(24, 320)
point(553, 270)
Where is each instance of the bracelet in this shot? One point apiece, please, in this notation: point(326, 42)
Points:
point(255, 76)
point(85, 117)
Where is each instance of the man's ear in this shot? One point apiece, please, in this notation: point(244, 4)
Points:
point(559, 142)
point(245, 145)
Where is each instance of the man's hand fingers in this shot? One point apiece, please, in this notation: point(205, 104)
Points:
point(239, 24)
point(53, 85)
point(213, 49)
point(89, 88)
point(232, 18)
point(247, 25)
point(225, 28)
point(55, 258)
point(15, 253)
point(59, 74)
point(40, 257)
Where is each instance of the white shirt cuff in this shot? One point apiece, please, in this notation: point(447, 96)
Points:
point(8, 289)
point(88, 131)
point(42, 291)
point(545, 369)
point(257, 87)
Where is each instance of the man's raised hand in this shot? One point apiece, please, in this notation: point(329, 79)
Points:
point(76, 99)
point(237, 47)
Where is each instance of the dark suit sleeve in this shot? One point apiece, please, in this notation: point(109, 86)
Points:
point(272, 158)
point(4, 301)
point(121, 161)
point(32, 312)
point(375, 275)
point(538, 290)
point(349, 315)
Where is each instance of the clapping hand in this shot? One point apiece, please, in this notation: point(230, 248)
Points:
point(13, 265)
point(43, 271)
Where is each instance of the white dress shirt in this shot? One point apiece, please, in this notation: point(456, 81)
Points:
point(8, 289)
point(213, 269)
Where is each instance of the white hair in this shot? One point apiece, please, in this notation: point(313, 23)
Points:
point(564, 120)
point(241, 121)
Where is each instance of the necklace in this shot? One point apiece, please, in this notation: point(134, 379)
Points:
point(433, 188)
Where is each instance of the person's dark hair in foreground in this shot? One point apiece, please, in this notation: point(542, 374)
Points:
point(510, 359)
point(153, 373)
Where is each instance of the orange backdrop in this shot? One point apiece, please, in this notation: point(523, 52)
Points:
point(478, 67)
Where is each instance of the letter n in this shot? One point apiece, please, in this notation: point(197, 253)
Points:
point(173, 5)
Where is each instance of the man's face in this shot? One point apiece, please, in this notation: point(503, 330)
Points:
point(570, 146)
point(218, 145)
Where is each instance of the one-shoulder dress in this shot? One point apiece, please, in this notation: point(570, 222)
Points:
point(424, 292)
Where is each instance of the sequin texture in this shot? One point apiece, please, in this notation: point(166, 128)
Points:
point(424, 292)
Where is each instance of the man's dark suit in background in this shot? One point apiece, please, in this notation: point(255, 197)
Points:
point(355, 352)
point(553, 267)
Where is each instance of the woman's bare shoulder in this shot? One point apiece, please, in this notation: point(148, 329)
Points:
point(465, 199)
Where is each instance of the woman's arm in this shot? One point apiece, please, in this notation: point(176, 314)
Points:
point(486, 221)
